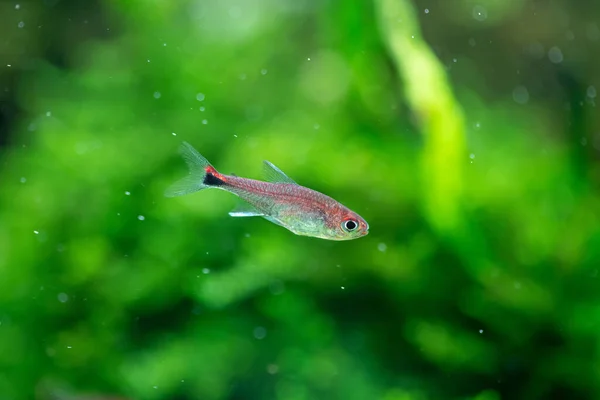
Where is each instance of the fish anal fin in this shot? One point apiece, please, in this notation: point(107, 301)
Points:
point(275, 175)
point(246, 210)
point(273, 220)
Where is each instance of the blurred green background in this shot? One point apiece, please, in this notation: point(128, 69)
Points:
point(465, 132)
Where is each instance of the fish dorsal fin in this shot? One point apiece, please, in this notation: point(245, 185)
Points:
point(243, 209)
point(275, 175)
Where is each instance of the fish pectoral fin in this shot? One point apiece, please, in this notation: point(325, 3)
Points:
point(274, 174)
point(246, 210)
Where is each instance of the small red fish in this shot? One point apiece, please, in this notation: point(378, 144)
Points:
point(282, 201)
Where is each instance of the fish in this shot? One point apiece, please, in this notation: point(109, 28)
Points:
point(279, 199)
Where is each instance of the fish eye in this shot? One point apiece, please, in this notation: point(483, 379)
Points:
point(349, 225)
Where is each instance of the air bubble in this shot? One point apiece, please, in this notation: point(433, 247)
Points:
point(520, 95)
point(260, 332)
point(480, 13)
point(555, 55)
point(591, 92)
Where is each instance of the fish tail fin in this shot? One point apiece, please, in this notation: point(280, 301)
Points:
point(202, 174)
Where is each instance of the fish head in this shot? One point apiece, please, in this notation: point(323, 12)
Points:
point(347, 225)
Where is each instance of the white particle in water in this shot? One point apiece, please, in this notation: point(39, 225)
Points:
point(204, 122)
point(69, 347)
point(164, 44)
point(205, 271)
point(63, 297)
point(157, 95)
point(141, 217)
point(382, 247)
point(479, 13)
point(235, 136)
point(17, 6)
point(202, 109)
point(308, 58)
point(477, 125)
point(21, 24)
point(520, 94)
point(427, 11)
point(263, 71)
point(127, 193)
point(36, 232)
point(23, 179)
point(48, 114)
point(200, 97)
point(260, 332)
point(155, 387)
point(173, 133)
point(472, 156)
point(454, 60)
point(555, 55)
point(591, 92)
point(343, 288)
point(481, 331)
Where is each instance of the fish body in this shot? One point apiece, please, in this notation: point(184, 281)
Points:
point(280, 200)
